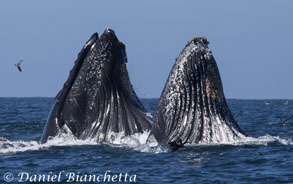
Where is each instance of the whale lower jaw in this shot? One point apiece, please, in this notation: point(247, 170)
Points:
point(213, 131)
point(98, 99)
point(192, 107)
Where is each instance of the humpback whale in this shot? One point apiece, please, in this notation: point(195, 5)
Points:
point(98, 98)
point(192, 107)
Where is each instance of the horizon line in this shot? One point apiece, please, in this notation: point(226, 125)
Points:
point(233, 98)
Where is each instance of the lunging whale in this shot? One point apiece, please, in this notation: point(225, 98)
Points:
point(98, 98)
point(192, 107)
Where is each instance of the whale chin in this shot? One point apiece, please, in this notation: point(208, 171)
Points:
point(98, 98)
point(192, 107)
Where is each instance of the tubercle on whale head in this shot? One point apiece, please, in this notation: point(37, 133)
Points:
point(109, 34)
point(200, 39)
point(113, 47)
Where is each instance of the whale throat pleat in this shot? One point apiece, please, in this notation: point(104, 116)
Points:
point(192, 106)
point(99, 100)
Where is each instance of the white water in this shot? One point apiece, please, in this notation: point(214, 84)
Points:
point(137, 142)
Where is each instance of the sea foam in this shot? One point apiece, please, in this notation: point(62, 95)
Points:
point(137, 142)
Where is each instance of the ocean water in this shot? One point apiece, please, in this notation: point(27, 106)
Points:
point(264, 157)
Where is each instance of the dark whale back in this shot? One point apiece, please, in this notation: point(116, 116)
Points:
point(192, 106)
point(98, 99)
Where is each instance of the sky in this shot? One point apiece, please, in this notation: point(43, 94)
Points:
point(251, 41)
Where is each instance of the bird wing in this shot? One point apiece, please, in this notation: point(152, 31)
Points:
point(18, 67)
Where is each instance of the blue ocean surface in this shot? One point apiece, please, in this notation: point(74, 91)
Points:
point(264, 157)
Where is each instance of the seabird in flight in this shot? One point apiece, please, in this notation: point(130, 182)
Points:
point(18, 65)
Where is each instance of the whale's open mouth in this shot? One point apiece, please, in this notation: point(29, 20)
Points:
point(98, 98)
point(192, 107)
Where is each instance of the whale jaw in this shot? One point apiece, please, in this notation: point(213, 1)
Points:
point(192, 107)
point(98, 100)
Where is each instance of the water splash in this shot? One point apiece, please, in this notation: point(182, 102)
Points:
point(8, 146)
point(137, 142)
point(262, 140)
